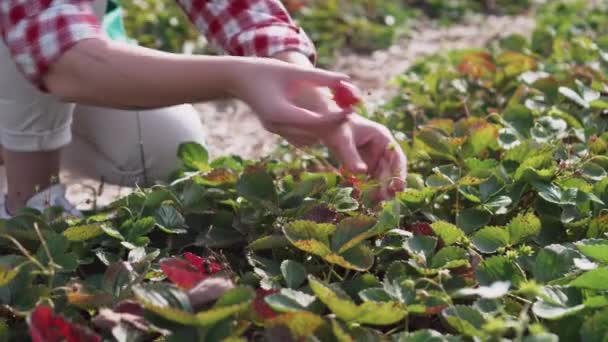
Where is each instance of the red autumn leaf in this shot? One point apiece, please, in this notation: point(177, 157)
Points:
point(45, 326)
point(322, 214)
point(204, 265)
point(261, 308)
point(345, 96)
point(421, 228)
point(477, 65)
point(187, 273)
point(181, 272)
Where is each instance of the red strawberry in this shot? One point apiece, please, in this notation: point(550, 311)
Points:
point(349, 179)
point(345, 96)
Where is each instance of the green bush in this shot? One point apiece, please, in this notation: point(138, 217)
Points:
point(502, 233)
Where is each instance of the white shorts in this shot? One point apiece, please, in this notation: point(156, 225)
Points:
point(97, 142)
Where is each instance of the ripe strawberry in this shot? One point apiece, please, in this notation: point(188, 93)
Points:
point(345, 96)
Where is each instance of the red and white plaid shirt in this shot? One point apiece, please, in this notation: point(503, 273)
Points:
point(38, 32)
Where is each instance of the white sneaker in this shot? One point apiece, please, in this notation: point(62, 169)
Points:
point(53, 196)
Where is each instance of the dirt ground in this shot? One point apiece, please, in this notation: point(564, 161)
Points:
point(232, 129)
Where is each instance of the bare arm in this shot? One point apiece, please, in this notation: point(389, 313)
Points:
point(100, 72)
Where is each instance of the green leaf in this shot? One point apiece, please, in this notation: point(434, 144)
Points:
point(289, 300)
point(389, 218)
point(350, 232)
point(373, 313)
point(499, 268)
point(448, 232)
point(522, 227)
point(314, 238)
point(359, 258)
point(83, 233)
point(139, 228)
point(421, 246)
point(520, 118)
point(310, 236)
point(112, 232)
point(469, 220)
point(341, 199)
point(596, 249)
point(554, 194)
point(311, 185)
point(556, 302)
point(490, 239)
point(450, 257)
point(232, 302)
point(269, 242)
point(174, 305)
point(554, 262)
point(465, 319)
point(169, 220)
point(415, 196)
point(375, 295)
point(425, 336)
point(166, 301)
point(595, 280)
point(595, 328)
point(294, 273)
point(593, 171)
point(194, 156)
point(542, 337)
point(257, 186)
point(574, 96)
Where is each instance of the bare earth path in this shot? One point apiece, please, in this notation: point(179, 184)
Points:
point(232, 129)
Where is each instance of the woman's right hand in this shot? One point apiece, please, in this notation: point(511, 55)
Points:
point(271, 86)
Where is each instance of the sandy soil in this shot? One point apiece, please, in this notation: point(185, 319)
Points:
point(232, 129)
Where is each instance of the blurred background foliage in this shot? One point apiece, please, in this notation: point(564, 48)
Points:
point(334, 25)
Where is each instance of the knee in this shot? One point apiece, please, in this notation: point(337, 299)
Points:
point(162, 138)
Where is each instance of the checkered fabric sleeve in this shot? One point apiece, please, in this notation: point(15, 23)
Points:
point(37, 32)
point(248, 27)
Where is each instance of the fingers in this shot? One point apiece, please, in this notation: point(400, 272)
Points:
point(295, 115)
point(344, 147)
point(295, 136)
point(392, 171)
point(322, 78)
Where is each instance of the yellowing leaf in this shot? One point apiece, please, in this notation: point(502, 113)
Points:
point(373, 313)
point(448, 232)
point(301, 324)
point(83, 233)
point(6, 275)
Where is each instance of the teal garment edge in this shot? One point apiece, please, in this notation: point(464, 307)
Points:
point(113, 24)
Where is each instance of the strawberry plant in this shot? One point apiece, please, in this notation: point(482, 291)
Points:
point(501, 233)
